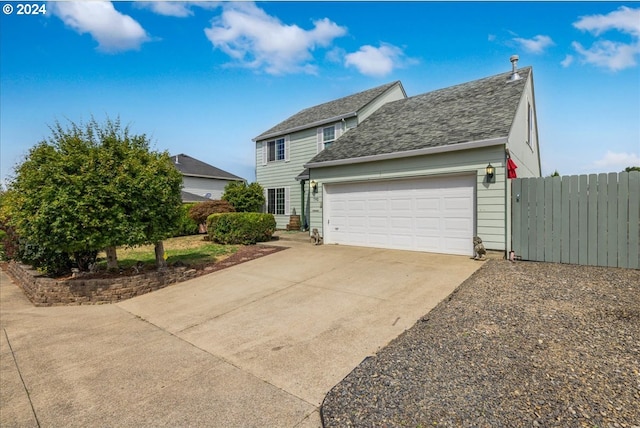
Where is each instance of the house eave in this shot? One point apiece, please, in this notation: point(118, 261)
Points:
point(411, 153)
point(213, 177)
point(305, 126)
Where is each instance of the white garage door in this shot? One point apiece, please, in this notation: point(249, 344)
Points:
point(428, 214)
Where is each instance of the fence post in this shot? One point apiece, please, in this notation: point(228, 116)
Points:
point(583, 231)
point(593, 220)
point(634, 220)
point(516, 212)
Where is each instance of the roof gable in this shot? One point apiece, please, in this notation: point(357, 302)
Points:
point(193, 167)
point(479, 110)
point(323, 113)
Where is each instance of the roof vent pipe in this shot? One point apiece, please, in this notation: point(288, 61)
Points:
point(177, 162)
point(514, 68)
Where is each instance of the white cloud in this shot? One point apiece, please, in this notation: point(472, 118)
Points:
point(617, 161)
point(113, 31)
point(256, 40)
point(178, 9)
point(537, 45)
point(624, 19)
point(377, 62)
point(608, 54)
point(567, 61)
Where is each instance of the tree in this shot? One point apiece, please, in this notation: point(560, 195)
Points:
point(243, 197)
point(632, 168)
point(200, 211)
point(95, 187)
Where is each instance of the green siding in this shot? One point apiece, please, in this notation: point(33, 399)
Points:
point(490, 197)
point(303, 146)
point(393, 95)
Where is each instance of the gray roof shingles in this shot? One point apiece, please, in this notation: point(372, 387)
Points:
point(191, 166)
point(331, 109)
point(190, 197)
point(473, 111)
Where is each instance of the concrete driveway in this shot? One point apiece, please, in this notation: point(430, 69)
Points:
point(258, 344)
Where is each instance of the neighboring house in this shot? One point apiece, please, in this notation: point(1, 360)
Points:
point(282, 151)
point(201, 181)
point(413, 175)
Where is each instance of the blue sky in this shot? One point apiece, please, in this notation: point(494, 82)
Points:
point(204, 78)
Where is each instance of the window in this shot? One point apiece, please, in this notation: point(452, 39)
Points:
point(277, 201)
point(276, 150)
point(327, 135)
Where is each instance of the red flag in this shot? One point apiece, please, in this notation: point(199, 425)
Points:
point(511, 168)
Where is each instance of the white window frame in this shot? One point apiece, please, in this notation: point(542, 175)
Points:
point(277, 156)
point(322, 143)
point(277, 200)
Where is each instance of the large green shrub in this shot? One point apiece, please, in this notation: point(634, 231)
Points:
point(244, 197)
point(186, 225)
point(240, 228)
point(49, 261)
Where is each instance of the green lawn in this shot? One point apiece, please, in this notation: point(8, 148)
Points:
point(189, 250)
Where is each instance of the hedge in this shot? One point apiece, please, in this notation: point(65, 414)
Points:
point(240, 228)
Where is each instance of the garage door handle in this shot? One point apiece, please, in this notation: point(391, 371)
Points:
point(328, 221)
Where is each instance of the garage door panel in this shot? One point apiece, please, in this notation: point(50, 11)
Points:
point(402, 204)
point(432, 214)
point(375, 205)
point(427, 223)
point(355, 206)
point(456, 203)
point(423, 204)
point(400, 224)
point(378, 239)
point(378, 222)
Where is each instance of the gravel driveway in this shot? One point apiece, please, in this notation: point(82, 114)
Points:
point(517, 344)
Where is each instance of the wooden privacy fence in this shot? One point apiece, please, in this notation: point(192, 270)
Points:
point(580, 219)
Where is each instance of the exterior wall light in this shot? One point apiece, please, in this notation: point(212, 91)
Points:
point(490, 170)
point(314, 186)
point(491, 174)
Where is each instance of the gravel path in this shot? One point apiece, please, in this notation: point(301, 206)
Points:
point(516, 345)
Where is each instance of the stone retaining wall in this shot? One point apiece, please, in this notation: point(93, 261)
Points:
point(43, 291)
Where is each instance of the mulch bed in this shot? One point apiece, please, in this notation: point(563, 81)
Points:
point(516, 345)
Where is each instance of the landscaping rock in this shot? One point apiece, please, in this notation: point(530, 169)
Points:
point(518, 345)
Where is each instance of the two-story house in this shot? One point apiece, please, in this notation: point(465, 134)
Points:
point(425, 173)
point(282, 151)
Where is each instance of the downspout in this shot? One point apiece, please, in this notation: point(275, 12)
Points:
point(304, 220)
point(507, 208)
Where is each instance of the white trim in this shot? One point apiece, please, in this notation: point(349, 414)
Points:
point(410, 153)
point(265, 154)
point(287, 200)
point(305, 126)
point(265, 208)
point(319, 142)
point(287, 144)
point(213, 177)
